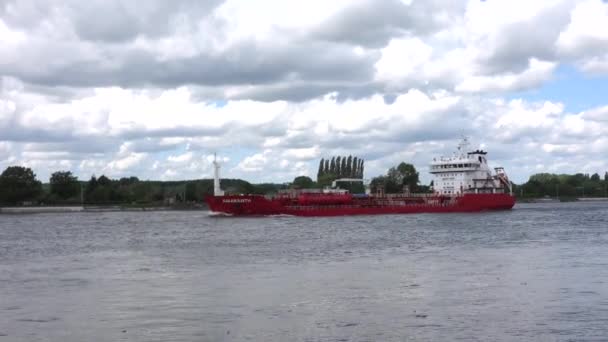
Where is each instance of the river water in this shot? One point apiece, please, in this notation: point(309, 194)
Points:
point(538, 272)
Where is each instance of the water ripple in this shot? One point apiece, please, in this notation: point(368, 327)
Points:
point(535, 273)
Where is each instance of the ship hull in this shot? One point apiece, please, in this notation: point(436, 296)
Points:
point(256, 205)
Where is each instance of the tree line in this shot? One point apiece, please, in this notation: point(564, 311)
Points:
point(19, 186)
point(339, 167)
point(398, 179)
point(564, 186)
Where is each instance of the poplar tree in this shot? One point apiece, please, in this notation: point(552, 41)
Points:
point(321, 165)
point(332, 166)
point(343, 164)
point(339, 169)
point(349, 165)
point(355, 171)
point(362, 169)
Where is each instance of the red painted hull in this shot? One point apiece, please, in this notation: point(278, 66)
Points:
point(257, 205)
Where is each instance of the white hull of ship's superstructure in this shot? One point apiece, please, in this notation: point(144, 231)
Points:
point(467, 172)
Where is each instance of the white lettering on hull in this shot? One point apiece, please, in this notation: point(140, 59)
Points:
point(237, 200)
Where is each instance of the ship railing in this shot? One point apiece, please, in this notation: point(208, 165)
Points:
point(405, 195)
point(374, 205)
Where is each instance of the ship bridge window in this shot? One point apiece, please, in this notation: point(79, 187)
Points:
point(480, 160)
point(459, 165)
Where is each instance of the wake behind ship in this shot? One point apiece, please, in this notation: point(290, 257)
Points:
point(461, 183)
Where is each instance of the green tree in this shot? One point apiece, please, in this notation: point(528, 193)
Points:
point(142, 192)
point(339, 169)
point(361, 168)
point(302, 182)
point(352, 187)
point(355, 171)
point(410, 175)
point(392, 187)
point(343, 167)
point(190, 191)
point(378, 184)
point(349, 166)
point(396, 179)
point(104, 181)
point(91, 186)
point(321, 170)
point(103, 190)
point(563, 185)
point(268, 188)
point(332, 166)
point(18, 184)
point(403, 175)
point(124, 181)
point(326, 180)
point(64, 185)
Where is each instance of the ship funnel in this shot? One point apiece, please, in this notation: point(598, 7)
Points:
point(217, 190)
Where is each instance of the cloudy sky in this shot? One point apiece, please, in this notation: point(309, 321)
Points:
point(152, 88)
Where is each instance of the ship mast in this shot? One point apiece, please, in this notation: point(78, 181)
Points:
point(217, 190)
point(463, 146)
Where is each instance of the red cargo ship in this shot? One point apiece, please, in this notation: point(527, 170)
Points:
point(462, 183)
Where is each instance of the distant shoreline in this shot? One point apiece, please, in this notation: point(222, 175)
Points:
point(91, 209)
point(562, 199)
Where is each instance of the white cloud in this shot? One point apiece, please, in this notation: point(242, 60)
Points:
point(414, 127)
point(245, 19)
point(537, 73)
point(182, 158)
point(126, 162)
point(595, 65)
point(596, 114)
point(587, 31)
point(9, 37)
point(302, 153)
point(273, 86)
point(5, 150)
point(254, 163)
point(403, 59)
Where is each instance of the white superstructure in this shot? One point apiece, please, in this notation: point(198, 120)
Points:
point(217, 190)
point(467, 172)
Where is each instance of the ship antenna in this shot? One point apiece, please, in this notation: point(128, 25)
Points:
point(217, 190)
point(464, 144)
